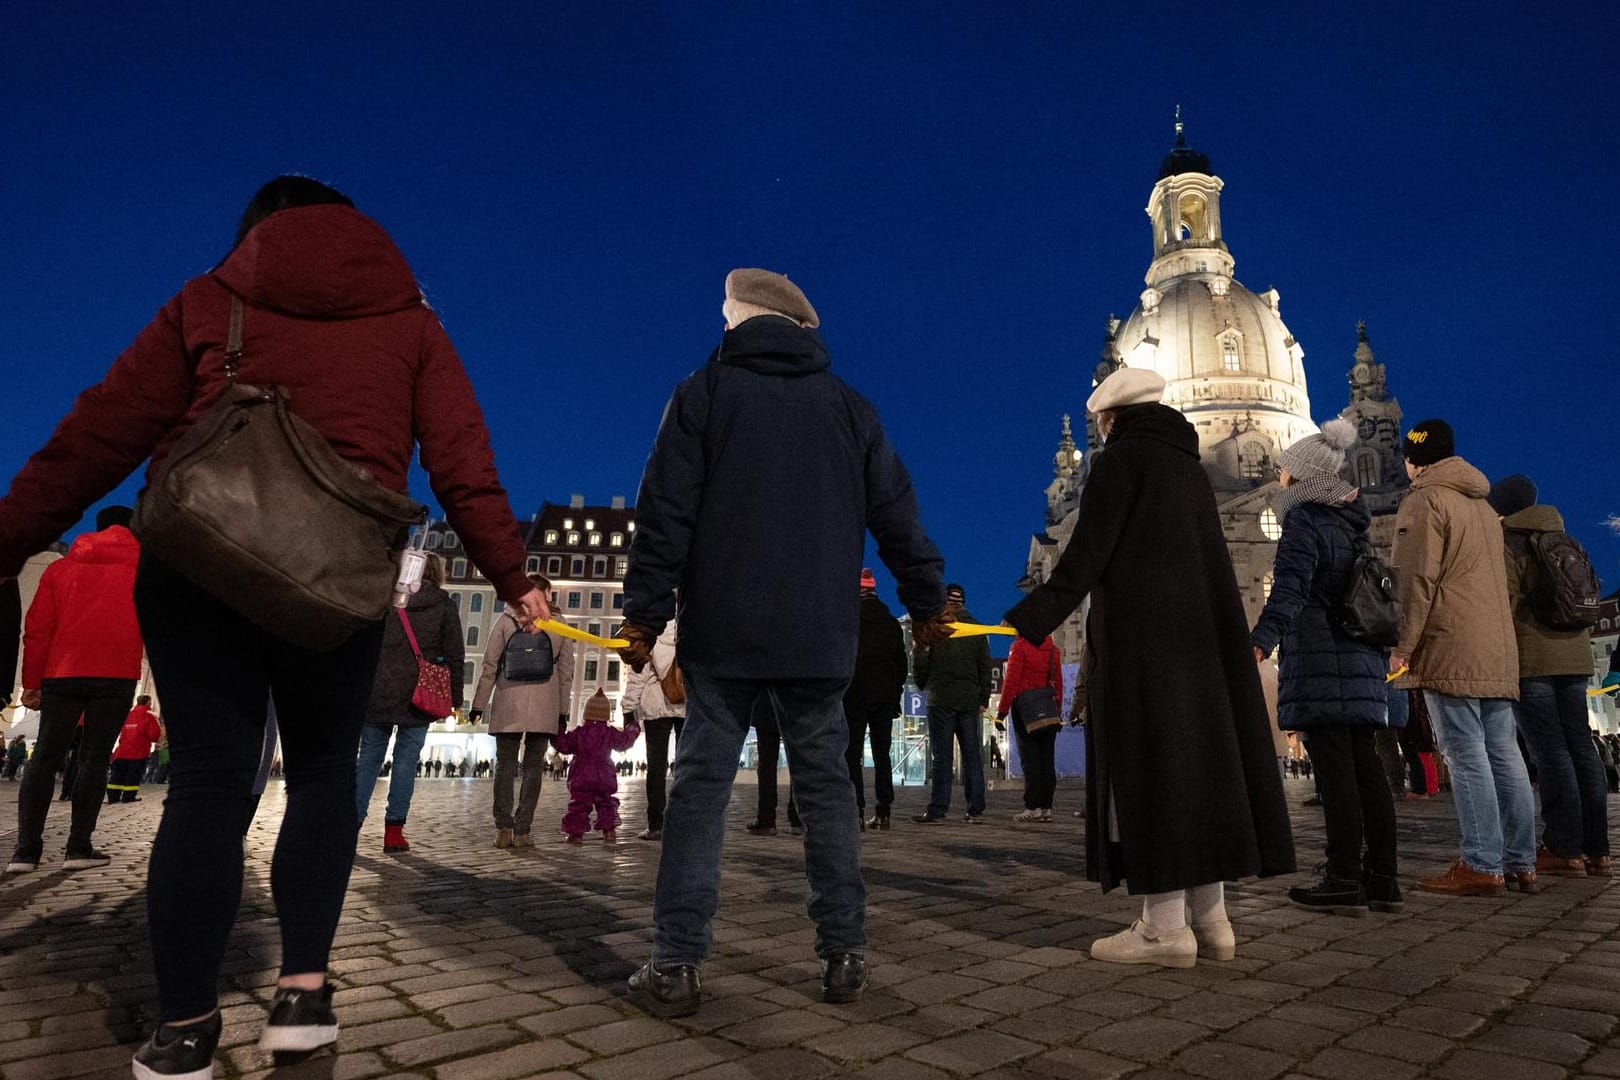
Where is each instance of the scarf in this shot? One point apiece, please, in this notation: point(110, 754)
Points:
point(1324, 489)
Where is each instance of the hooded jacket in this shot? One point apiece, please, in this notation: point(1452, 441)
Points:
point(82, 621)
point(140, 733)
point(333, 316)
point(437, 626)
point(1543, 651)
point(880, 660)
point(766, 474)
point(1456, 619)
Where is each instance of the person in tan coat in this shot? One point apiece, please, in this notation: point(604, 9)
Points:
point(1554, 666)
point(525, 715)
point(1457, 646)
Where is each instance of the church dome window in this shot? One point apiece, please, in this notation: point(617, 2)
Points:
point(1269, 580)
point(1271, 528)
point(1252, 460)
point(1194, 213)
point(1230, 361)
point(1366, 470)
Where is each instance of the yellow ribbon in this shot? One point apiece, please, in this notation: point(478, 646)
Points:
point(562, 629)
point(1600, 691)
point(967, 629)
point(1392, 676)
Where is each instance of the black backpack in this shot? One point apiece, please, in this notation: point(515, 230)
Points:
point(1564, 592)
point(1370, 611)
point(528, 657)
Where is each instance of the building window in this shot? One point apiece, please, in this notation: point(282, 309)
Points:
point(551, 536)
point(596, 601)
point(1265, 585)
point(594, 628)
point(467, 674)
point(589, 524)
point(599, 567)
point(472, 633)
point(590, 671)
point(1229, 355)
point(554, 600)
point(554, 566)
point(433, 540)
point(573, 539)
point(458, 568)
point(476, 603)
point(613, 671)
point(618, 601)
point(573, 601)
point(568, 523)
point(596, 539)
point(449, 539)
point(576, 566)
point(1272, 528)
point(1366, 471)
point(1252, 460)
point(531, 565)
point(1605, 624)
point(499, 607)
point(455, 599)
point(616, 540)
point(621, 566)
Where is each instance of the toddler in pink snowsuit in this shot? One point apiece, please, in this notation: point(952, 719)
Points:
point(593, 779)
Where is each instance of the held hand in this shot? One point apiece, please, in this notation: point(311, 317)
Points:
point(29, 699)
point(1397, 663)
point(534, 606)
point(475, 716)
point(933, 630)
point(638, 654)
point(1259, 657)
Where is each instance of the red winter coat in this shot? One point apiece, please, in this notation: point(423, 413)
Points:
point(335, 317)
point(82, 622)
point(1030, 668)
point(141, 732)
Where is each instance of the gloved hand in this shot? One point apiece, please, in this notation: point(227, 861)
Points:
point(638, 654)
point(934, 629)
point(475, 715)
point(1001, 724)
point(629, 716)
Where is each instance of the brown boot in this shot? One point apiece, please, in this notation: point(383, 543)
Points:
point(1523, 880)
point(503, 838)
point(1463, 880)
point(1558, 866)
point(1599, 866)
point(609, 836)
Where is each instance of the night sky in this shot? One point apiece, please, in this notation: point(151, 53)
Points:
point(957, 187)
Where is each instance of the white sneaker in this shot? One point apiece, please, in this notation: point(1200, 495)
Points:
point(1215, 940)
point(1027, 816)
point(1046, 815)
point(1141, 944)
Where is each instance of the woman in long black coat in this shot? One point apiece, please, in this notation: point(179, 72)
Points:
point(1182, 786)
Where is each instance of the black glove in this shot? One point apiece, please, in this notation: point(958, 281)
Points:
point(562, 723)
point(629, 716)
point(1001, 725)
point(475, 715)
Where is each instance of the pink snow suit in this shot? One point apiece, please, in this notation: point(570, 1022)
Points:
point(592, 778)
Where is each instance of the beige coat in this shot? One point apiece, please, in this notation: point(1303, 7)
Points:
point(524, 706)
point(644, 694)
point(1456, 622)
point(1542, 650)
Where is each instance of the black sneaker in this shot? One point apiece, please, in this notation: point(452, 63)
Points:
point(1332, 895)
point(843, 978)
point(881, 821)
point(759, 828)
point(928, 819)
point(84, 859)
point(676, 991)
point(186, 1052)
point(1383, 893)
point(300, 1021)
point(973, 819)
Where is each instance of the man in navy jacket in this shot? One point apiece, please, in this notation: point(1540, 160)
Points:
point(767, 473)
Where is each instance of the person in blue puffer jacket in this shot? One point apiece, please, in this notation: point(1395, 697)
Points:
point(1330, 687)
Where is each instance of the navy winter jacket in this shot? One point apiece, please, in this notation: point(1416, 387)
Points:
point(1323, 677)
point(767, 472)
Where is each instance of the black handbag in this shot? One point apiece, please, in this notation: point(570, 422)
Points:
point(1370, 611)
point(1037, 710)
point(256, 507)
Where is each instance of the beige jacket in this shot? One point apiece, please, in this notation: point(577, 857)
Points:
point(644, 694)
point(1543, 651)
point(524, 706)
point(1456, 622)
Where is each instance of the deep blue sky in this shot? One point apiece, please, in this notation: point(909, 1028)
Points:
point(958, 188)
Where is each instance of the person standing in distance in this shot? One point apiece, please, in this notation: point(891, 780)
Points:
point(873, 700)
point(767, 472)
point(956, 676)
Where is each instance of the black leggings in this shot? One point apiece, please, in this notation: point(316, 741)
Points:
point(1038, 755)
point(215, 671)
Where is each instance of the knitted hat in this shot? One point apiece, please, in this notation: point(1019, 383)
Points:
point(598, 710)
point(1127, 386)
point(955, 595)
point(1511, 494)
point(113, 515)
point(1429, 442)
point(752, 292)
point(868, 580)
point(1319, 455)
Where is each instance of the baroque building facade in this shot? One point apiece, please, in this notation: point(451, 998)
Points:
point(1237, 373)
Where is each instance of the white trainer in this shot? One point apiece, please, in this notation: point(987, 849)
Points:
point(1141, 944)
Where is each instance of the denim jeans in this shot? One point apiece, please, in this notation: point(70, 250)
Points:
point(408, 743)
point(810, 714)
point(964, 727)
point(1574, 788)
point(1496, 810)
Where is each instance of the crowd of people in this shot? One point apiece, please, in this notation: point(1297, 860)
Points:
point(1183, 790)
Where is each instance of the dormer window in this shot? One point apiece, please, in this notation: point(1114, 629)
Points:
point(551, 536)
point(573, 538)
point(596, 539)
point(1230, 361)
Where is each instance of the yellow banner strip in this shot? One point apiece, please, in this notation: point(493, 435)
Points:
point(967, 629)
point(1392, 676)
point(562, 629)
point(1600, 691)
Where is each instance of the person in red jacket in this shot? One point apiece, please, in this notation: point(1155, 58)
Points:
point(1030, 668)
point(141, 732)
point(334, 316)
point(81, 658)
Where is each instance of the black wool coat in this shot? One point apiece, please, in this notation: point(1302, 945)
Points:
point(1179, 740)
point(438, 632)
point(767, 473)
point(1323, 677)
point(880, 660)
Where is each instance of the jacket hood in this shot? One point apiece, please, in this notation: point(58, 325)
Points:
point(425, 597)
point(323, 262)
point(1535, 519)
point(1353, 514)
point(1457, 474)
point(114, 545)
point(1158, 422)
point(769, 345)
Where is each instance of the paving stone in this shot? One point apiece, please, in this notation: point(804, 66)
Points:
point(515, 1061)
point(1485, 1065)
point(1148, 1038)
point(449, 1045)
point(1221, 1060)
point(863, 1042)
point(1387, 1040)
point(973, 1052)
point(1538, 1044)
point(1337, 1063)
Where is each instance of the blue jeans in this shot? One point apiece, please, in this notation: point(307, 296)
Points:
point(1489, 784)
point(810, 714)
point(408, 742)
point(1574, 788)
point(964, 727)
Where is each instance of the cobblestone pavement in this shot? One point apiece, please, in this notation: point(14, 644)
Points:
point(458, 961)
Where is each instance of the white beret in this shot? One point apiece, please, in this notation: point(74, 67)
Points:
point(1127, 386)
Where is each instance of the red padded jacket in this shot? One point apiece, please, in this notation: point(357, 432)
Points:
point(82, 621)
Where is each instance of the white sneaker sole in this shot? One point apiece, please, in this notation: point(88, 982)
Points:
point(144, 1073)
point(302, 1039)
point(21, 867)
point(84, 864)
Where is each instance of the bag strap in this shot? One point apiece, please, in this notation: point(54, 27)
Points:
point(1051, 666)
point(410, 633)
point(233, 340)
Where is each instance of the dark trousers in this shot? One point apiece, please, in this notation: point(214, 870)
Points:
point(124, 779)
point(103, 703)
point(877, 723)
point(519, 819)
point(965, 729)
point(1356, 801)
point(1411, 749)
point(1038, 754)
point(215, 671)
point(1574, 791)
point(768, 743)
point(659, 729)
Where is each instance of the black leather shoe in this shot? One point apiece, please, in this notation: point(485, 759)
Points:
point(759, 828)
point(1383, 893)
point(880, 821)
point(843, 978)
point(1331, 894)
point(676, 992)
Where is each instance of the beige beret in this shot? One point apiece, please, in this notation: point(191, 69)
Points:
point(771, 293)
point(1127, 386)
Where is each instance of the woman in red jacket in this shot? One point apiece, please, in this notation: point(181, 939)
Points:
point(1030, 668)
point(335, 317)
